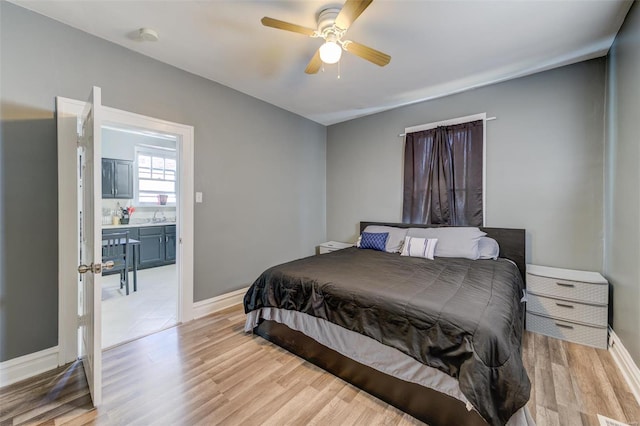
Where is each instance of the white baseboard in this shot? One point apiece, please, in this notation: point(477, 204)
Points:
point(26, 366)
point(627, 367)
point(218, 303)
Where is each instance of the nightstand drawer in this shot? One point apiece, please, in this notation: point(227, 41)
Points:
point(572, 311)
point(565, 289)
point(566, 330)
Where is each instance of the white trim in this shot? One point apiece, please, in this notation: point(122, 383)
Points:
point(218, 303)
point(68, 110)
point(450, 122)
point(26, 366)
point(484, 168)
point(627, 367)
point(453, 121)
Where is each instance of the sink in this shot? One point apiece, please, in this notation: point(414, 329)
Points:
point(139, 221)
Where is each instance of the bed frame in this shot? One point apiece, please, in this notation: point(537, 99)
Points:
point(427, 405)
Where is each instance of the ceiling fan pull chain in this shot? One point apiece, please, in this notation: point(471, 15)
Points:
point(339, 69)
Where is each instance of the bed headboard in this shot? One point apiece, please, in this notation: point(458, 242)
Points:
point(511, 241)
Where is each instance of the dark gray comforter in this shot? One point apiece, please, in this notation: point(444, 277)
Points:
point(461, 316)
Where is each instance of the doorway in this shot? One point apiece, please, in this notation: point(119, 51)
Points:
point(68, 110)
point(140, 185)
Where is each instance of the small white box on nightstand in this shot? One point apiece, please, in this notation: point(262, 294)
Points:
point(330, 246)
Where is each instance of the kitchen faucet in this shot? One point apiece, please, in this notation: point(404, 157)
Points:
point(156, 219)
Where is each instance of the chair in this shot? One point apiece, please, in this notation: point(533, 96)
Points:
point(115, 247)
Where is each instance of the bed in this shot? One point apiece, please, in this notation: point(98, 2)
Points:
point(440, 339)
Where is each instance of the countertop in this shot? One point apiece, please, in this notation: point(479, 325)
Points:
point(138, 225)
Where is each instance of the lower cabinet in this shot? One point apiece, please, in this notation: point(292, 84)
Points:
point(157, 244)
point(151, 246)
point(170, 243)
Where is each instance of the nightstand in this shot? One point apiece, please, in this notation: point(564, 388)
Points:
point(568, 304)
point(330, 246)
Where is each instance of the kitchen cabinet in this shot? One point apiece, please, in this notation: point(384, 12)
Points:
point(157, 244)
point(117, 178)
point(152, 246)
point(170, 243)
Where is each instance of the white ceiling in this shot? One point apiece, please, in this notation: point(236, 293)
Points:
point(437, 47)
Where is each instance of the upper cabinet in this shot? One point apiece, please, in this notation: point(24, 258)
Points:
point(117, 178)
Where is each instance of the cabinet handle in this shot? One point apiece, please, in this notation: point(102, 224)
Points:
point(116, 191)
point(564, 325)
point(562, 305)
point(565, 284)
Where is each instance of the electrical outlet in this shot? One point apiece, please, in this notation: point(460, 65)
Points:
point(198, 197)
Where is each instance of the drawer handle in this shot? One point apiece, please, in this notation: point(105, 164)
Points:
point(565, 284)
point(562, 305)
point(564, 325)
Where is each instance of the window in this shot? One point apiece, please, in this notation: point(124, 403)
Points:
point(444, 173)
point(156, 172)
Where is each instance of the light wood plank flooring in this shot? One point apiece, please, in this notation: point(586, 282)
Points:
point(210, 372)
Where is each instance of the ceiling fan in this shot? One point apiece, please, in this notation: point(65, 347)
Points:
point(333, 23)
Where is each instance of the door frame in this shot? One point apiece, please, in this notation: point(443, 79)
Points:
point(67, 111)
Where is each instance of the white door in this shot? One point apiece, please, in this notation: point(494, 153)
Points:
point(90, 179)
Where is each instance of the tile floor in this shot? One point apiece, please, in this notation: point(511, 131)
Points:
point(150, 309)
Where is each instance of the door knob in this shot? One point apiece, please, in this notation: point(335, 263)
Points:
point(95, 268)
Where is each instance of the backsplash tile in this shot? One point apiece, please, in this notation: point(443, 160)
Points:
point(142, 214)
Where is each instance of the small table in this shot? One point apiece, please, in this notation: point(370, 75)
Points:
point(135, 245)
point(330, 246)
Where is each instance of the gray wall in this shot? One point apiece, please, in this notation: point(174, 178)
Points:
point(544, 162)
point(261, 169)
point(622, 178)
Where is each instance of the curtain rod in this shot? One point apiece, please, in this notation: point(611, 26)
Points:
point(401, 135)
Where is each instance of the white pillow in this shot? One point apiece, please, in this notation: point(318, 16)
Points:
point(419, 247)
point(488, 248)
point(454, 241)
point(395, 239)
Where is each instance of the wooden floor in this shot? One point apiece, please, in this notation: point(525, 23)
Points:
point(210, 372)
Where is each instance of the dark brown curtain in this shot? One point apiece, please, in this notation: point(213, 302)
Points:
point(443, 175)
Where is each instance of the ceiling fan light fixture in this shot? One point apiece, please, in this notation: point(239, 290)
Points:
point(330, 52)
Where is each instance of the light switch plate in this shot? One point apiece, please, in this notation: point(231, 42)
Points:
point(198, 197)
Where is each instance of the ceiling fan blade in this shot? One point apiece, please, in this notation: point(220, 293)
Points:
point(314, 64)
point(371, 55)
point(350, 12)
point(282, 25)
